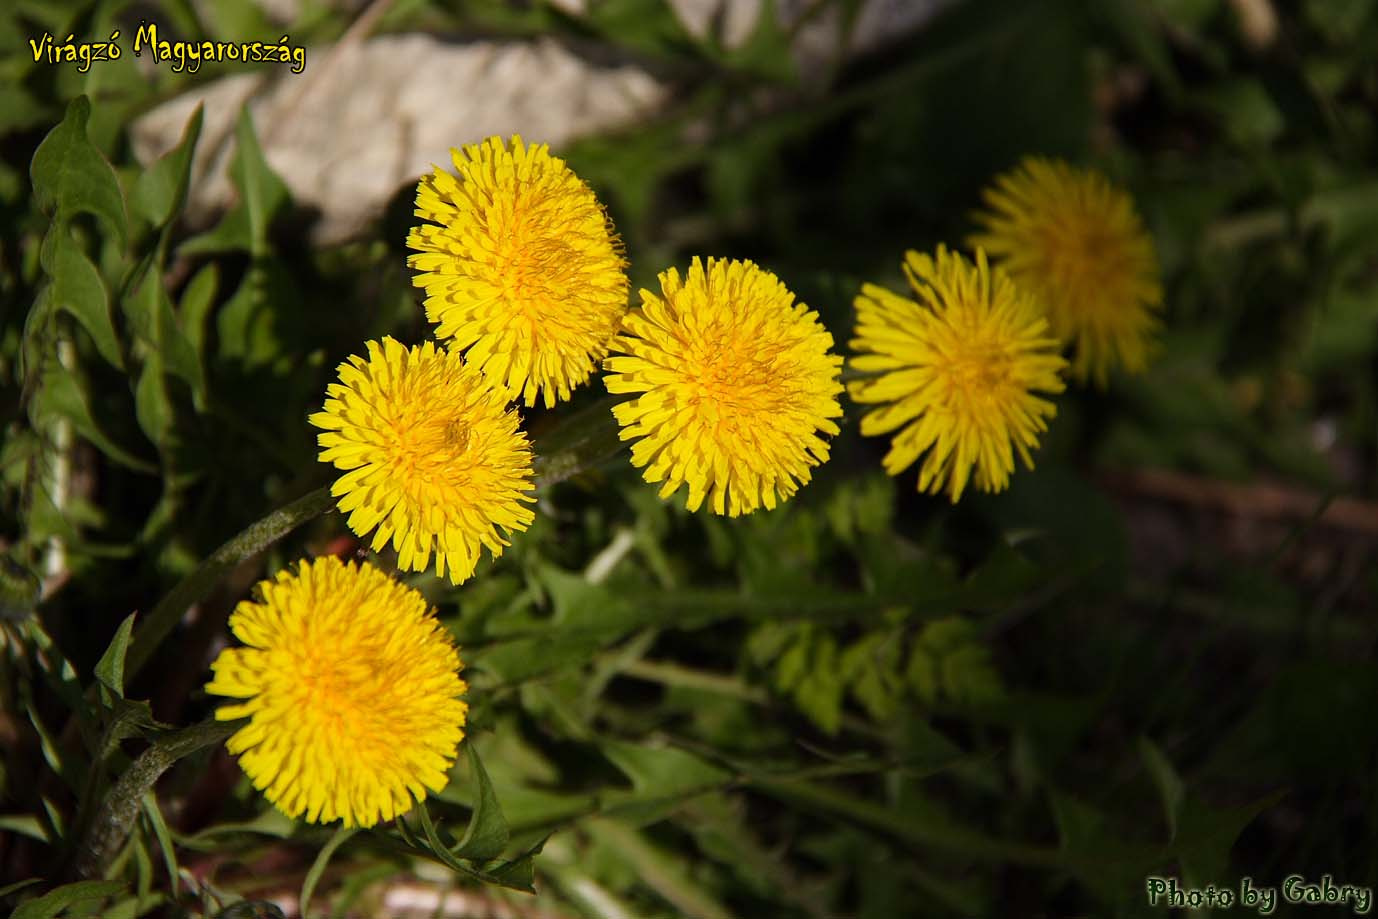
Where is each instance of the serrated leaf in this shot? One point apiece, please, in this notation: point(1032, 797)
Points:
point(61, 394)
point(870, 667)
point(436, 846)
point(261, 196)
point(820, 696)
point(70, 175)
point(152, 405)
point(130, 718)
point(197, 298)
point(663, 771)
point(150, 315)
point(78, 290)
point(110, 667)
point(160, 190)
point(793, 665)
point(55, 901)
point(487, 833)
point(262, 193)
point(519, 874)
point(247, 323)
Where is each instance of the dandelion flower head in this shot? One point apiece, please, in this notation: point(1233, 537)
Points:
point(351, 689)
point(432, 457)
point(956, 372)
point(520, 266)
point(736, 383)
point(1075, 241)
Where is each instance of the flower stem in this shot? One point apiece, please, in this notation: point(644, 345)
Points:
point(194, 587)
point(121, 806)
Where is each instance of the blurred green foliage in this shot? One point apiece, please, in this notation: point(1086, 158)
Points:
point(865, 703)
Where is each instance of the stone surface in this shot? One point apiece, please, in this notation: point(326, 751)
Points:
point(367, 118)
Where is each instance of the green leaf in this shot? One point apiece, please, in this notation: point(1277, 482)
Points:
point(663, 771)
point(134, 907)
point(871, 668)
point(110, 667)
point(313, 876)
point(249, 323)
point(261, 191)
point(25, 825)
point(61, 394)
point(70, 175)
point(767, 51)
point(20, 885)
point(1206, 835)
point(948, 661)
point(487, 834)
point(664, 873)
point(154, 815)
point(197, 299)
point(19, 110)
point(55, 901)
point(520, 873)
point(649, 26)
point(150, 315)
point(152, 404)
point(161, 189)
point(129, 719)
point(261, 195)
point(20, 590)
point(1169, 783)
point(78, 290)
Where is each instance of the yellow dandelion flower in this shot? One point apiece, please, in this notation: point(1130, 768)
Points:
point(433, 457)
point(520, 266)
point(736, 382)
point(351, 688)
point(1076, 242)
point(958, 372)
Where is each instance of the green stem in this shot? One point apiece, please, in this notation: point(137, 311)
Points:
point(675, 675)
point(115, 820)
point(926, 831)
point(579, 442)
point(576, 443)
point(194, 587)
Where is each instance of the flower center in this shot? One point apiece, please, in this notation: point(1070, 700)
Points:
point(328, 689)
point(532, 262)
point(428, 445)
point(976, 371)
point(733, 377)
point(1084, 257)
